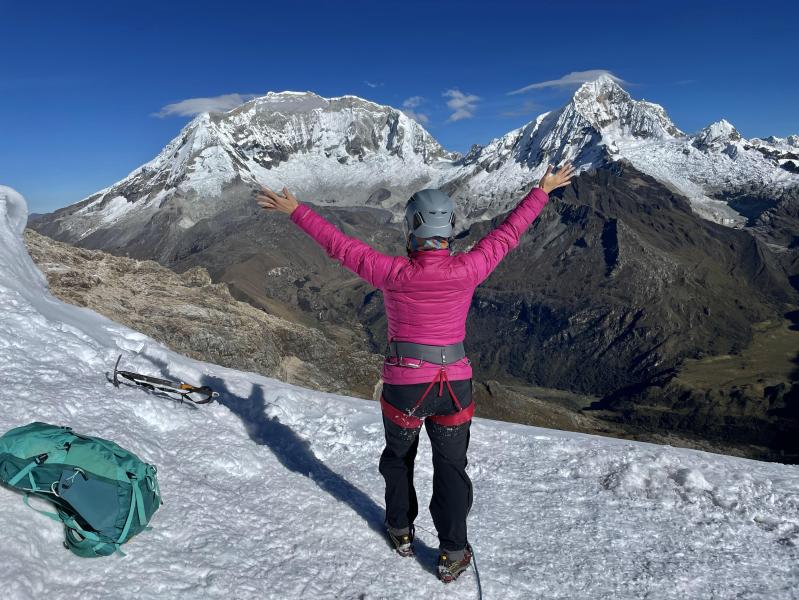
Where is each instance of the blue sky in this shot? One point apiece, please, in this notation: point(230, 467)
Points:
point(86, 88)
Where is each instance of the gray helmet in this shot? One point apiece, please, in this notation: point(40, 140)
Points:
point(430, 213)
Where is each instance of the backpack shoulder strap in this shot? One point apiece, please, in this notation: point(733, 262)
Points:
point(27, 469)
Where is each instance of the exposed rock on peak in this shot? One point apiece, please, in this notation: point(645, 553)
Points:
point(606, 105)
point(716, 135)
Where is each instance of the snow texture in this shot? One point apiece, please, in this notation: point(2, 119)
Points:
point(274, 491)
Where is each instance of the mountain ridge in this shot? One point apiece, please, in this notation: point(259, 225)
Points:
point(351, 151)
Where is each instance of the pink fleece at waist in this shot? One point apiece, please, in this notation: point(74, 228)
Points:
point(398, 375)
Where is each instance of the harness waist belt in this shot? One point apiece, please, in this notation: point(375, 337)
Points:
point(440, 355)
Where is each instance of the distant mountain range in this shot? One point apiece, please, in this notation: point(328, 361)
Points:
point(348, 151)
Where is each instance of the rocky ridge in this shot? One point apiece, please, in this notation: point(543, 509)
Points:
point(200, 319)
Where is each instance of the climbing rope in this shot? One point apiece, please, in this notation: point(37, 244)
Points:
point(476, 574)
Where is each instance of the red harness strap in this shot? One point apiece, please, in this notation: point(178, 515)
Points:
point(457, 418)
point(408, 421)
point(398, 417)
point(441, 377)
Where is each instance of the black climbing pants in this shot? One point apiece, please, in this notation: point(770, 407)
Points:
point(452, 488)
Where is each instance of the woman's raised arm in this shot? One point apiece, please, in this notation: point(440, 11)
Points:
point(352, 253)
point(495, 245)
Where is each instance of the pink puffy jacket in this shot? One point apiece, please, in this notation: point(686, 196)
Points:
point(426, 296)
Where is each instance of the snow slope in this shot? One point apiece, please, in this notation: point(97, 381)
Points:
point(274, 491)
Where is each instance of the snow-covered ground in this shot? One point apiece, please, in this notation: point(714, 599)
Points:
point(274, 492)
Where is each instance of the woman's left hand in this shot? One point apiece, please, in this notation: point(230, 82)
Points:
point(269, 200)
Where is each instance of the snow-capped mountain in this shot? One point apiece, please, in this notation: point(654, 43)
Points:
point(273, 492)
point(348, 151)
point(489, 179)
point(792, 141)
point(785, 151)
point(603, 123)
point(345, 151)
point(716, 136)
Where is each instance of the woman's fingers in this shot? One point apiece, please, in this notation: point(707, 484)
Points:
point(564, 175)
point(265, 201)
point(285, 194)
point(288, 195)
point(567, 170)
point(268, 196)
point(269, 193)
point(283, 201)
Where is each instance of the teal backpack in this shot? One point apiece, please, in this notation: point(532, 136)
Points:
point(103, 494)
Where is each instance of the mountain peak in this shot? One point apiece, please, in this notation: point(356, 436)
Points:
point(603, 84)
point(290, 102)
point(609, 108)
point(271, 140)
point(723, 125)
point(719, 133)
point(287, 102)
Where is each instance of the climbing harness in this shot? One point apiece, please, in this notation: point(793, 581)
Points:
point(401, 353)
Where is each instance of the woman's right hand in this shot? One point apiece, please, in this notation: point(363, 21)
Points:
point(271, 201)
point(562, 178)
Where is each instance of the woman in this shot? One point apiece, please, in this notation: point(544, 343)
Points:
point(426, 296)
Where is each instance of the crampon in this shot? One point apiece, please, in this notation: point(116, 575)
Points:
point(403, 544)
point(449, 569)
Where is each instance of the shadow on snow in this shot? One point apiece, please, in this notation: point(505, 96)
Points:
point(295, 454)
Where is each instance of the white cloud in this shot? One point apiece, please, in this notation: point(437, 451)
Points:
point(372, 84)
point(195, 106)
point(409, 106)
point(464, 105)
point(571, 79)
point(413, 102)
point(417, 116)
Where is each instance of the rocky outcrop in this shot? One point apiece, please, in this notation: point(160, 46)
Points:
point(200, 319)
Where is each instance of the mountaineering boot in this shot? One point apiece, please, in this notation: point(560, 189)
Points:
point(402, 539)
point(452, 564)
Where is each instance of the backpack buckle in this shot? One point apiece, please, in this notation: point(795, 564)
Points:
point(40, 459)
